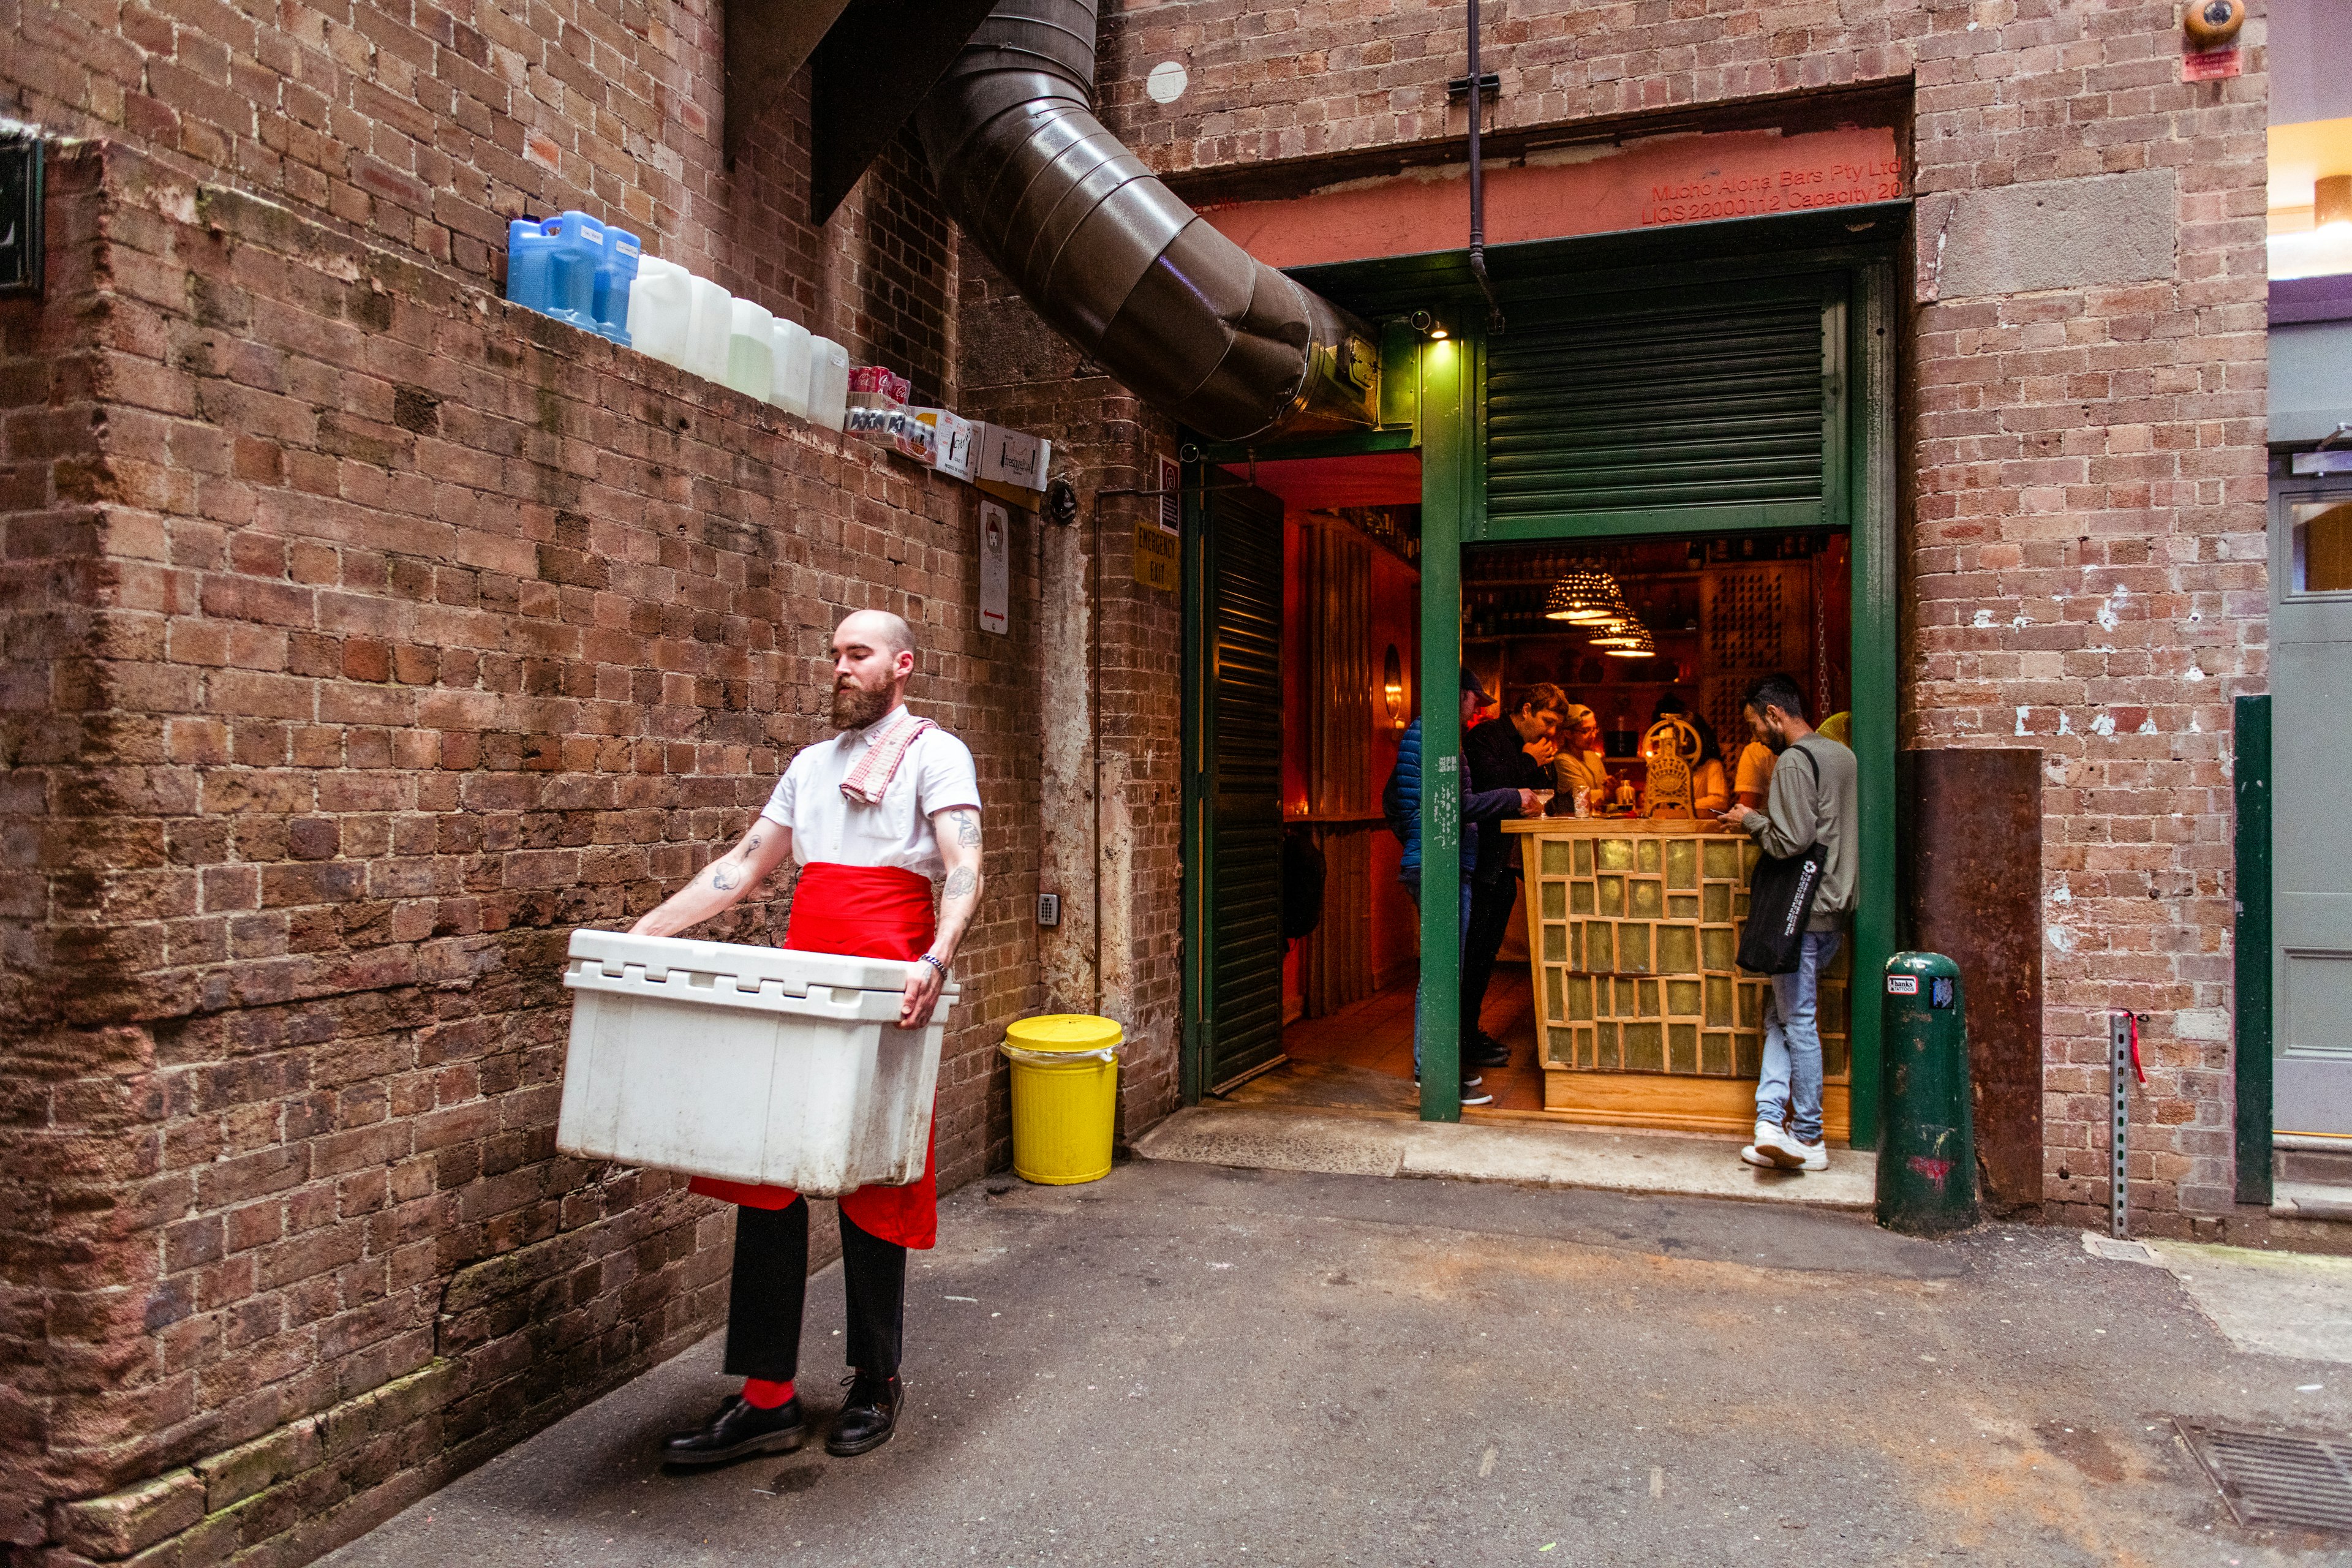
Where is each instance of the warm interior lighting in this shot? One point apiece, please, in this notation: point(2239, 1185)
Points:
point(1393, 686)
point(1586, 594)
point(1437, 332)
point(2331, 200)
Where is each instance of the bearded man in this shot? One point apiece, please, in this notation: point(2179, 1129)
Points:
point(874, 817)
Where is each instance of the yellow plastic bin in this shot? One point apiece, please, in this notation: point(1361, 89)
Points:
point(1065, 1095)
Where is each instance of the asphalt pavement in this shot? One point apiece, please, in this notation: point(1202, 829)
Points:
point(1189, 1364)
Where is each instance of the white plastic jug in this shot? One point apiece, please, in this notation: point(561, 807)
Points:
point(661, 307)
point(707, 331)
point(789, 388)
point(828, 383)
point(752, 349)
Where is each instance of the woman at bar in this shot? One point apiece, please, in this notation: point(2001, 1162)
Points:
point(1579, 767)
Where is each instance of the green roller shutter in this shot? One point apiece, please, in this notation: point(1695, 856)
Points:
point(1702, 409)
point(1242, 929)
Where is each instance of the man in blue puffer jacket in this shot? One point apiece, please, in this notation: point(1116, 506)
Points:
point(1400, 802)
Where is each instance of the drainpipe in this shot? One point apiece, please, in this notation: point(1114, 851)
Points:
point(1478, 184)
point(1137, 280)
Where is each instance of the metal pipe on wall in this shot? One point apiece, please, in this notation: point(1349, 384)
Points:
point(1113, 260)
point(1478, 183)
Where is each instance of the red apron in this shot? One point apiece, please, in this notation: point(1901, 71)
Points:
point(863, 912)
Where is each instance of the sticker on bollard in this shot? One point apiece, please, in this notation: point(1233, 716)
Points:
point(1926, 1158)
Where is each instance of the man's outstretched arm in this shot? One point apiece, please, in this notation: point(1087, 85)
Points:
point(722, 884)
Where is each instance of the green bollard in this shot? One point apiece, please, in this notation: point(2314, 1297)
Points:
point(1927, 1149)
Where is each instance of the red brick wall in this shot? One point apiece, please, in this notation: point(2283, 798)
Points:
point(1128, 665)
point(425, 129)
point(420, 630)
point(2084, 465)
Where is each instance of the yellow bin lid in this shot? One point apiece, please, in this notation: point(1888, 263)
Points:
point(1064, 1032)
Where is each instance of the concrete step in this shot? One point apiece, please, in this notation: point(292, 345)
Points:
point(2311, 1200)
point(1493, 1149)
point(2308, 1160)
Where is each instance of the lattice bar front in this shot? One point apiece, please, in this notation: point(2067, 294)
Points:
point(1640, 1002)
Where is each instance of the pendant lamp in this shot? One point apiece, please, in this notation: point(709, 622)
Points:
point(1638, 643)
point(1585, 593)
point(1627, 633)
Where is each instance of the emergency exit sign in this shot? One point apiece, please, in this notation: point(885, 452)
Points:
point(20, 218)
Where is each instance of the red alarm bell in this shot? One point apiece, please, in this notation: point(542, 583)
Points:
point(2213, 23)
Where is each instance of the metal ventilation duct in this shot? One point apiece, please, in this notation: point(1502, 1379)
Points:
point(1142, 284)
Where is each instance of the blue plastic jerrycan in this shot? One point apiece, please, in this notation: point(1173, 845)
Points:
point(575, 267)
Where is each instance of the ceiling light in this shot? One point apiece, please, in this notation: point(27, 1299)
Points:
point(1640, 647)
point(1585, 595)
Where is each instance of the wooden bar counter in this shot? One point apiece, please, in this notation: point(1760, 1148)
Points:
point(1642, 1016)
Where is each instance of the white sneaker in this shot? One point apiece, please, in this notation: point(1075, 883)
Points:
point(1757, 1157)
point(1784, 1150)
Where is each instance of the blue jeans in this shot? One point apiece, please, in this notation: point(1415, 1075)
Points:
point(1793, 1043)
point(1413, 887)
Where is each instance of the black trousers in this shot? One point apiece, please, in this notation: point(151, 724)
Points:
point(771, 1289)
point(1490, 922)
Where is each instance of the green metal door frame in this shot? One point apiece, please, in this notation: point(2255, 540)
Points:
point(2252, 958)
point(1438, 387)
point(1859, 497)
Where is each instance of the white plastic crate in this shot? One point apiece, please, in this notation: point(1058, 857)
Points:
point(754, 1064)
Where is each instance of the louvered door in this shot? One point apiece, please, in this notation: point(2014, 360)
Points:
point(1242, 933)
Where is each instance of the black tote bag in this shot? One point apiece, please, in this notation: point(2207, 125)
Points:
point(1780, 901)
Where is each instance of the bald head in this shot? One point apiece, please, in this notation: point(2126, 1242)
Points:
point(873, 655)
point(874, 628)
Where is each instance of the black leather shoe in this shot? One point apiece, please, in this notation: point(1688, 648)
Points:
point(740, 1428)
point(1489, 1052)
point(868, 1416)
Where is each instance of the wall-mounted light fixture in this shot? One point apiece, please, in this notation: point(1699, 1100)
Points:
point(1393, 688)
point(1428, 326)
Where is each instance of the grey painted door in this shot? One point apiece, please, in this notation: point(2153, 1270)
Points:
point(2311, 707)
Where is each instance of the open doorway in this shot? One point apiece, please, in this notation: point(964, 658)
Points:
point(1616, 999)
point(1305, 677)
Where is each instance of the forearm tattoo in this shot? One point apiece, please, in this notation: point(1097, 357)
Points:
point(725, 878)
point(962, 883)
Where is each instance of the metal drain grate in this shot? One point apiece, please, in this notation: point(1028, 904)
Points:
point(2275, 1482)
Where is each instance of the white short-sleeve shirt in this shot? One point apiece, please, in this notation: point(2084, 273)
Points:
point(935, 774)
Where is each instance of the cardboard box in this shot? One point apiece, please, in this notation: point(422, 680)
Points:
point(1012, 465)
point(957, 453)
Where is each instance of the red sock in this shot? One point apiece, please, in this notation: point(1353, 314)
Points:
point(761, 1395)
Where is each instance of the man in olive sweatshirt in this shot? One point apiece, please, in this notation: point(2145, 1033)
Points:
point(1811, 802)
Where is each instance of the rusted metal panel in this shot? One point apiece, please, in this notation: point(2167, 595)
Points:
point(1969, 845)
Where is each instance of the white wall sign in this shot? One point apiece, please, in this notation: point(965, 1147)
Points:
point(995, 567)
point(1172, 503)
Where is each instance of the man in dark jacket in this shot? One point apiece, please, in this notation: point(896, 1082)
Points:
point(1400, 802)
point(1513, 751)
